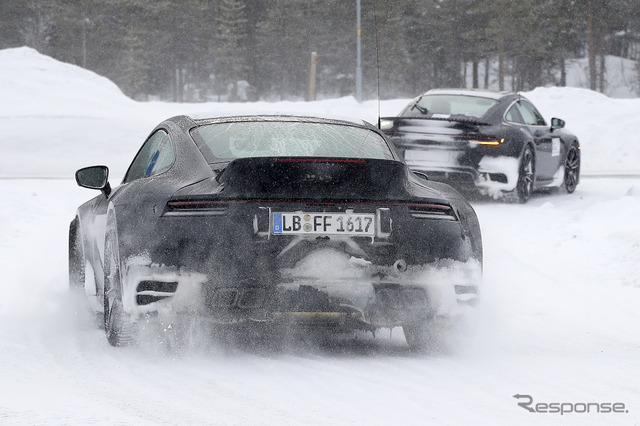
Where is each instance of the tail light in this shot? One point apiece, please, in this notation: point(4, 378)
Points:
point(432, 211)
point(483, 140)
point(197, 207)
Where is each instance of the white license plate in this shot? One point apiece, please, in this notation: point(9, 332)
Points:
point(432, 156)
point(323, 223)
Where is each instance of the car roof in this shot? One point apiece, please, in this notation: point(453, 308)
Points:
point(490, 94)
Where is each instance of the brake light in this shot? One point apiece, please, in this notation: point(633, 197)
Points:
point(322, 160)
point(197, 204)
point(197, 207)
point(486, 141)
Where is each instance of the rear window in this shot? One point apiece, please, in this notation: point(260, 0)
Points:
point(228, 141)
point(473, 106)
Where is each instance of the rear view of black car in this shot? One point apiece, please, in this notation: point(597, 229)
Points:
point(494, 142)
point(268, 220)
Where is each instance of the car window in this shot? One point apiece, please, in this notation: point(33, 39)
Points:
point(155, 157)
point(474, 106)
point(164, 158)
point(529, 114)
point(513, 115)
point(288, 139)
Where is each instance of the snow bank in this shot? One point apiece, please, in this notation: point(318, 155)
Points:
point(33, 84)
point(608, 129)
point(58, 117)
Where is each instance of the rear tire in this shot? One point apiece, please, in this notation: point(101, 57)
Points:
point(118, 327)
point(526, 176)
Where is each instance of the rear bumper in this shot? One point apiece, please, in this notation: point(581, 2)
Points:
point(225, 264)
point(492, 175)
point(352, 295)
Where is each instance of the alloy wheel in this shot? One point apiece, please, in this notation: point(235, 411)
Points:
point(571, 169)
point(526, 176)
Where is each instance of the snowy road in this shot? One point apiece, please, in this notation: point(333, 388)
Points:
point(558, 321)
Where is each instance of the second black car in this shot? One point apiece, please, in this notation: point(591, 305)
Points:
point(495, 142)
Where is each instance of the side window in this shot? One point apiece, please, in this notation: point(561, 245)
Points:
point(513, 115)
point(163, 158)
point(155, 157)
point(530, 115)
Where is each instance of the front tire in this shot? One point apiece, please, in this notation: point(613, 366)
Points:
point(118, 327)
point(572, 169)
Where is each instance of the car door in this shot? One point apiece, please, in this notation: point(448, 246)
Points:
point(547, 146)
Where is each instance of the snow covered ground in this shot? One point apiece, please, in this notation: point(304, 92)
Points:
point(558, 318)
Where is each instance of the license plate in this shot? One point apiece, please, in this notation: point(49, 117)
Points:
point(323, 223)
point(433, 156)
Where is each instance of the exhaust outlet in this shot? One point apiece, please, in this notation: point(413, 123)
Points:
point(400, 265)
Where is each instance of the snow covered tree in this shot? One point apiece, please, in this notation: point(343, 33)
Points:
point(178, 50)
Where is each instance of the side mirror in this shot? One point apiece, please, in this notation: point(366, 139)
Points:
point(556, 123)
point(94, 177)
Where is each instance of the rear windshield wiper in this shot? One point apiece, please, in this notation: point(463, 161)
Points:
point(420, 108)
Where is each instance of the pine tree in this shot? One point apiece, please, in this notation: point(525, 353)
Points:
point(229, 51)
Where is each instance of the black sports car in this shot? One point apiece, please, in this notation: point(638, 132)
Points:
point(496, 142)
point(269, 220)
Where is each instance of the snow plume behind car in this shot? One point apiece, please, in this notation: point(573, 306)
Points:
point(163, 326)
point(439, 279)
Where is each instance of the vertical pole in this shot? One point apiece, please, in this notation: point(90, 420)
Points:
point(312, 76)
point(359, 55)
point(84, 42)
point(501, 51)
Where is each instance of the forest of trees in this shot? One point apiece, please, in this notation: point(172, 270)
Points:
point(196, 50)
